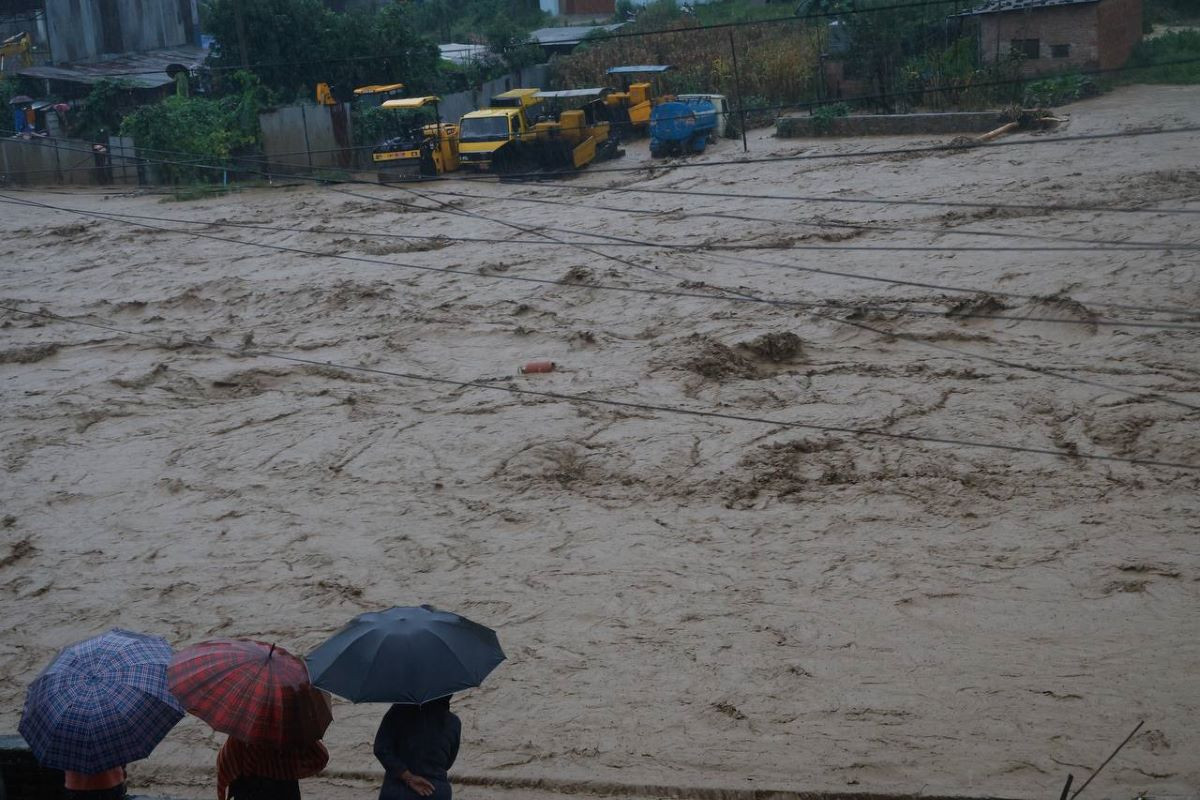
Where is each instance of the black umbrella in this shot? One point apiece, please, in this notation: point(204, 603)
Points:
point(405, 655)
point(20, 100)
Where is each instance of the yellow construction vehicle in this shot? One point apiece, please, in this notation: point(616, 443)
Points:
point(576, 130)
point(495, 135)
point(328, 95)
point(426, 150)
point(378, 93)
point(632, 106)
point(16, 52)
point(527, 130)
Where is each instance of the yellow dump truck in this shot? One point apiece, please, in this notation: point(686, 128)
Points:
point(492, 137)
point(527, 130)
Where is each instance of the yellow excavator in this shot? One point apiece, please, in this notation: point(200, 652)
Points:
point(425, 150)
point(16, 52)
point(633, 104)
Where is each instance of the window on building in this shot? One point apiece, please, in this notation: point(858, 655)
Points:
point(1027, 48)
point(1060, 51)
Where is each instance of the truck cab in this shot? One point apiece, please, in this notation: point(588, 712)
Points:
point(485, 135)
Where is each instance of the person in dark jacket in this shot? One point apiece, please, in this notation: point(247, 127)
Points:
point(417, 745)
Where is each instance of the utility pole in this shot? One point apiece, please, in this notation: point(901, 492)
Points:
point(737, 79)
point(240, 20)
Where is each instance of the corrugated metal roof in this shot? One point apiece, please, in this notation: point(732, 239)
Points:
point(1000, 6)
point(141, 70)
point(638, 69)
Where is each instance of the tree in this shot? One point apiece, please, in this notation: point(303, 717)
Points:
point(882, 38)
point(292, 45)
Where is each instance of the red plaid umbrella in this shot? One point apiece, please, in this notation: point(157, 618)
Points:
point(253, 691)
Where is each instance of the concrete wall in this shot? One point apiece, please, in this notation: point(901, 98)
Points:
point(50, 162)
point(88, 30)
point(297, 139)
point(453, 106)
point(800, 127)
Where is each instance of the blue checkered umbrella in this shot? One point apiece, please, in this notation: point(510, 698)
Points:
point(101, 703)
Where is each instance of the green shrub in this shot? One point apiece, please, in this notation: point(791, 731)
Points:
point(1153, 57)
point(824, 116)
point(1059, 90)
point(200, 134)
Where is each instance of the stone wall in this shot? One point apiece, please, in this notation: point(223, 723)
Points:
point(804, 126)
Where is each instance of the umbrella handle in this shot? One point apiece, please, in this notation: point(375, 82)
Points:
point(271, 652)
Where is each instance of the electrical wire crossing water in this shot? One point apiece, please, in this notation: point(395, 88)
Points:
point(242, 352)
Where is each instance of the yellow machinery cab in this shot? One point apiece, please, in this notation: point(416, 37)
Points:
point(496, 133)
point(637, 98)
point(378, 93)
point(426, 150)
point(374, 94)
point(16, 52)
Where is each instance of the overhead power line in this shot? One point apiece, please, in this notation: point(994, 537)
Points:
point(577, 398)
point(608, 240)
point(736, 297)
point(337, 175)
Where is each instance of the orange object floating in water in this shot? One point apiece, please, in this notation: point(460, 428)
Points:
point(537, 366)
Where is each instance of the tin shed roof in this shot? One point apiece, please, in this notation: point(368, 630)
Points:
point(147, 70)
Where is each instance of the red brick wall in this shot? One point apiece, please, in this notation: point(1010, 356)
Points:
point(606, 7)
point(1120, 23)
point(1073, 25)
point(1101, 35)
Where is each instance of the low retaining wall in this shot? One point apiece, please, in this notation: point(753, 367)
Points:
point(797, 127)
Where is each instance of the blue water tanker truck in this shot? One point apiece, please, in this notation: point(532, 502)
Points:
point(680, 127)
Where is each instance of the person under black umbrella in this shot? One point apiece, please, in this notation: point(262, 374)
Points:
point(416, 658)
point(417, 746)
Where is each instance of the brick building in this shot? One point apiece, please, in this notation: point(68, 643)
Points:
point(579, 8)
point(1059, 35)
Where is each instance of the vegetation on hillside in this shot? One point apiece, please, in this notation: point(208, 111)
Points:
point(895, 55)
point(1170, 12)
point(1154, 57)
point(301, 43)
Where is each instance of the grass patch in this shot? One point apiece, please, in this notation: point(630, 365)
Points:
point(1153, 57)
